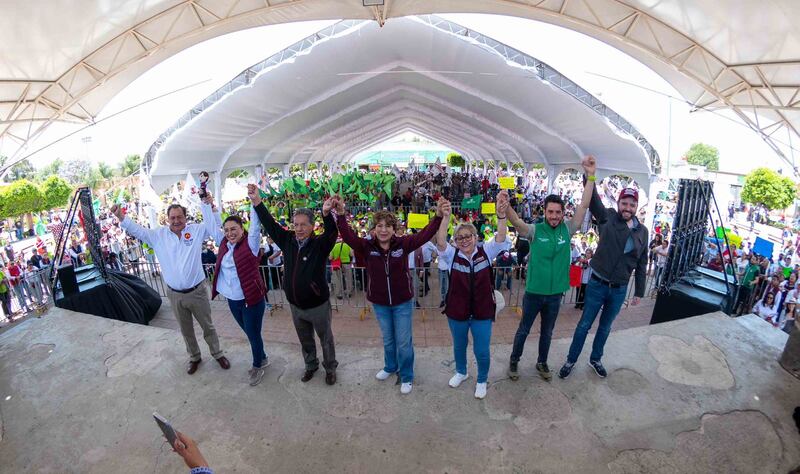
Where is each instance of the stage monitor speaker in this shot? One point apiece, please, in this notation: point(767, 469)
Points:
point(67, 279)
point(701, 291)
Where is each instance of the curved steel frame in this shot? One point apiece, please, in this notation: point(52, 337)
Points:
point(539, 68)
point(743, 88)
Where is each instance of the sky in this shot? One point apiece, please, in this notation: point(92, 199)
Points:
point(621, 82)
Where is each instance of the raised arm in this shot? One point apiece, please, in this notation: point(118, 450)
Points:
point(254, 236)
point(596, 206)
point(138, 232)
point(502, 215)
point(504, 208)
point(413, 242)
point(348, 236)
point(441, 234)
point(590, 168)
point(212, 221)
point(330, 231)
point(280, 235)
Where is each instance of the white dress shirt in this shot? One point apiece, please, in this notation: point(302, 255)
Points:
point(228, 284)
point(179, 256)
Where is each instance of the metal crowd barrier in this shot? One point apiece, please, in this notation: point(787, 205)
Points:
point(348, 286)
point(32, 295)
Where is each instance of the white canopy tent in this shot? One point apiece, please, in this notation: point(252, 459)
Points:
point(63, 61)
point(355, 83)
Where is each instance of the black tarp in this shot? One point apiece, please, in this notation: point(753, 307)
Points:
point(123, 297)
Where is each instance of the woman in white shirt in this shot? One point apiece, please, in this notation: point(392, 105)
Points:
point(237, 278)
point(767, 308)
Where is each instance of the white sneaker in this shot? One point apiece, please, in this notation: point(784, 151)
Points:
point(480, 390)
point(456, 380)
point(405, 388)
point(383, 375)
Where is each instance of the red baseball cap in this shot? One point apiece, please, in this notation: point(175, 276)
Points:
point(629, 192)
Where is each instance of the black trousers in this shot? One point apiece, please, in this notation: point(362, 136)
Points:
point(306, 323)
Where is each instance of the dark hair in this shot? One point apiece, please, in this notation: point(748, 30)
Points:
point(554, 198)
point(304, 212)
point(385, 216)
point(235, 219)
point(176, 206)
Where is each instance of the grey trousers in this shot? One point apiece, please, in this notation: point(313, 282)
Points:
point(306, 322)
point(186, 305)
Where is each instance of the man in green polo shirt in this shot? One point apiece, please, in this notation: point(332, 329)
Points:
point(548, 268)
point(748, 279)
point(341, 277)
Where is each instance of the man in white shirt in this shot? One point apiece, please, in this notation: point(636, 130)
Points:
point(178, 247)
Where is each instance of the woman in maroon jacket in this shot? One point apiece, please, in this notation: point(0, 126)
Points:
point(237, 278)
point(390, 287)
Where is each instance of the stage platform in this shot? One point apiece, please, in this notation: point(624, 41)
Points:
point(702, 395)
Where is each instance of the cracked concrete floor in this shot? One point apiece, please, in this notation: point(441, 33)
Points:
point(699, 395)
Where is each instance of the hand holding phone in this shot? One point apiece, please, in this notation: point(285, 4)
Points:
point(188, 450)
point(166, 428)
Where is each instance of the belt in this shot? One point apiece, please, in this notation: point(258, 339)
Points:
point(605, 282)
point(186, 291)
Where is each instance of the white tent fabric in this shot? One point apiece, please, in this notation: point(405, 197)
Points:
point(64, 60)
point(364, 83)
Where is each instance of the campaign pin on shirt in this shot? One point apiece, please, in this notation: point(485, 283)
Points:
point(188, 237)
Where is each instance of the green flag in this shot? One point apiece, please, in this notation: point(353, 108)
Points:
point(473, 202)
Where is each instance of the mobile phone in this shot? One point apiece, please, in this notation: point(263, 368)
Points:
point(166, 428)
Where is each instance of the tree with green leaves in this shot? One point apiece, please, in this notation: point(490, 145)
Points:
point(56, 192)
point(51, 169)
point(21, 170)
point(765, 186)
point(455, 160)
point(703, 155)
point(130, 165)
point(81, 173)
point(21, 197)
point(106, 172)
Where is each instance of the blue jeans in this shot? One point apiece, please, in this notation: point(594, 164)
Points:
point(532, 304)
point(250, 319)
point(398, 344)
point(597, 296)
point(22, 291)
point(481, 337)
point(444, 284)
point(503, 273)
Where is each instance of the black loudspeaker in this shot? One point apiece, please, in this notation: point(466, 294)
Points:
point(700, 291)
point(67, 279)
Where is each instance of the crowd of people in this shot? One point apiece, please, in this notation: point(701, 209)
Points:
point(473, 261)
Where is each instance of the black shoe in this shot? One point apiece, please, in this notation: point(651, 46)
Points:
point(512, 371)
point(308, 375)
point(566, 369)
point(330, 378)
point(544, 371)
point(417, 304)
point(598, 368)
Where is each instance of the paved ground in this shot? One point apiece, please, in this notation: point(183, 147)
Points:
point(699, 395)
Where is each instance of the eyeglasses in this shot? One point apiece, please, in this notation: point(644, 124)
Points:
point(462, 238)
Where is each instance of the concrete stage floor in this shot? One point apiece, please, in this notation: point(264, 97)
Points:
point(700, 395)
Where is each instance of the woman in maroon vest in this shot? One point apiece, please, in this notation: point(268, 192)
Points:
point(470, 304)
point(237, 278)
point(389, 285)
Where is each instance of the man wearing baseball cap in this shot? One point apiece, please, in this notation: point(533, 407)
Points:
point(621, 250)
